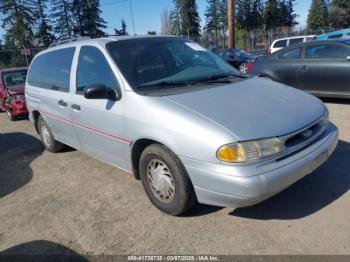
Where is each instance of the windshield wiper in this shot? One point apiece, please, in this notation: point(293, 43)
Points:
point(165, 83)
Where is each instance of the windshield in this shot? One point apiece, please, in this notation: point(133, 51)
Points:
point(14, 78)
point(148, 62)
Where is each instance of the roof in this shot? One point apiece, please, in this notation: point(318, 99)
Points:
point(102, 41)
point(294, 37)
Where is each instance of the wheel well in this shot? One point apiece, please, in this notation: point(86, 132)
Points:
point(36, 115)
point(136, 152)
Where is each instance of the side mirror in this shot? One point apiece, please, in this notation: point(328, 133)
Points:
point(100, 92)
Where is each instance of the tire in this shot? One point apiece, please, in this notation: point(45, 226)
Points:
point(243, 68)
point(10, 116)
point(181, 196)
point(47, 138)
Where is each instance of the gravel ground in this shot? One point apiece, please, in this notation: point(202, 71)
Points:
point(69, 202)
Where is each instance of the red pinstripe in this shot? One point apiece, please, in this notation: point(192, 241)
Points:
point(86, 127)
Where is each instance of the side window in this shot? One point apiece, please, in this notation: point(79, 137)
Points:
point(52, 70)
point(93, 69)
point(280, 43)
point(326, 52)
point(295, 41)
point(335, 36)
point(291, 54)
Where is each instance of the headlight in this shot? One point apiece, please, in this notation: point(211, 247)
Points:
point(248, 151)
point(326, 117)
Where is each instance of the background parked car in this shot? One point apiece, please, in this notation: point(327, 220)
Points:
point(318, 67)
point(238, 58)
point(334, 35)
point(288, 41)
point(12, 98)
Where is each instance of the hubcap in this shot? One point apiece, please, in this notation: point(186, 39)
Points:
point(45, 135)
point(161, 181)
point(243, 68)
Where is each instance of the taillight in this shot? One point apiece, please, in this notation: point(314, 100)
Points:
point(250, 67)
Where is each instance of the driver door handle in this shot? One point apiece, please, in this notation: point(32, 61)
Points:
point(63, 103)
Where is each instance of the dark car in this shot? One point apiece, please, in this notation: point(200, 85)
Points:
point(238, 58)
point(12, 98)
point(318, 67)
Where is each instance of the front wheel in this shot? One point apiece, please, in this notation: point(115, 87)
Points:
point(243, 68)
point(47, 138)
point(165, 180)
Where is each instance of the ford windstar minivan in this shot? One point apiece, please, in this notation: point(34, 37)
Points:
point(186, 123)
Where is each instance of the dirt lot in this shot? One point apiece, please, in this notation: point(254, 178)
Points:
point(57, 203)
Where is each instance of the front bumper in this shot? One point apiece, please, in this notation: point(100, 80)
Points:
point(246, 185)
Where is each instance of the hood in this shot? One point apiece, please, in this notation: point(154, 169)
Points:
point(254, 108)
point(18, 89)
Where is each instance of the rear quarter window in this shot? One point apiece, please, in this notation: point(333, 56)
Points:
point(280, 44)
point(52, 70)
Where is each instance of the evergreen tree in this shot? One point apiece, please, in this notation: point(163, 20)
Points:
point(213, 18)
point(343, 9)
point(270, 15)
point(175, 18)
point(88, 18)
point(190, 20)
point(43, 34)
point(318, 15)
point(18, 22)
point(62, 14)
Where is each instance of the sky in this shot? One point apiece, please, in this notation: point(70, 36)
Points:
point(147, 13)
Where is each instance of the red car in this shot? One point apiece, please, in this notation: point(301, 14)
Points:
point(12, 98)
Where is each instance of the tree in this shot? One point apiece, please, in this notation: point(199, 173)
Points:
point(337, 17)
point(175, 20)
point(318, 15)
point(18, 22)
point(270, 15)
point(165, 22)
point(122, 31)
point(43, 35)
point(152, 32)
point(190, 20)
point(343, 9)
point(62, 14)
point(213, 20)
point(89, 21)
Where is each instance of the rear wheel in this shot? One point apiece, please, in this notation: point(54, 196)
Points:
point(165, 180)
point(47, 138)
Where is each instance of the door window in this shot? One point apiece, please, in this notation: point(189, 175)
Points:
point(335, 36)
point(326, 52)
point(93, 69)
point(52, 70)
point(291, 54)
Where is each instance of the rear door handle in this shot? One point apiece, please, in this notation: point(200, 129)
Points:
point(304, 68)
point(63, 103)
point(76, 107)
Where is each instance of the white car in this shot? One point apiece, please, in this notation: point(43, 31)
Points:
point(288, 41)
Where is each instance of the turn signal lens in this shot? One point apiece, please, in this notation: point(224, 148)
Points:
point(227, 153)
point(248, 151)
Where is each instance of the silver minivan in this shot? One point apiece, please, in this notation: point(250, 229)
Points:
point(179, 118)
